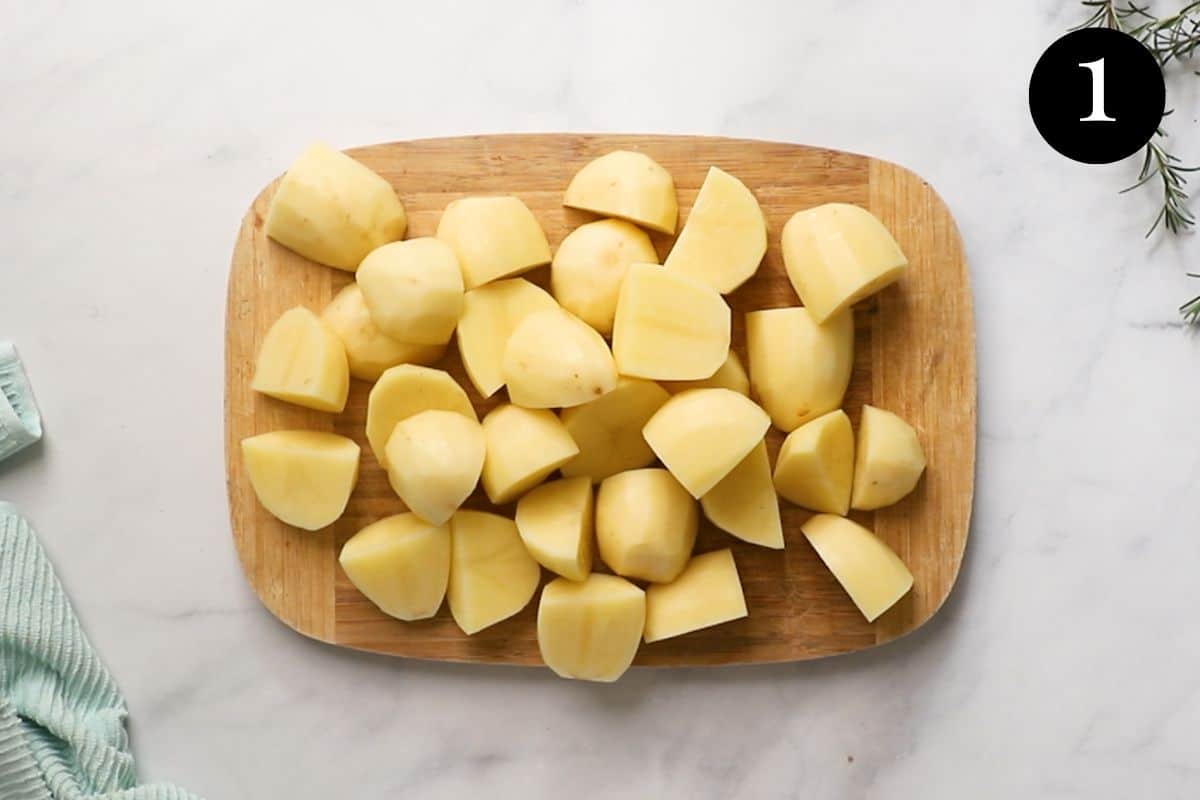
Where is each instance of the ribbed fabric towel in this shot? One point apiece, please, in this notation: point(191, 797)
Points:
point(62, 718)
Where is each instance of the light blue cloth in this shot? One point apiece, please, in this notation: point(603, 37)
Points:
point(20, 423)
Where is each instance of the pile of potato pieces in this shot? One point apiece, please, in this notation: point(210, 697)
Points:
point(667, 388)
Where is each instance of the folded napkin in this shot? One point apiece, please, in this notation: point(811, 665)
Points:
point(20, 424)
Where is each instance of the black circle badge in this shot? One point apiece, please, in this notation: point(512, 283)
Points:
point(1097, 95)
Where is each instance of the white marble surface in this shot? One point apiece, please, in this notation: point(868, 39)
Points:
point(1064, 665)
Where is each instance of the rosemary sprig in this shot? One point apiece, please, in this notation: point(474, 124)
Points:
point(1158, 163)
point(1191, 309)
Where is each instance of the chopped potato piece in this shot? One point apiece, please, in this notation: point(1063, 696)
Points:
point(590, 265)
point(555, 522)
point(889, 461)
point(627, 185)
point(492, 576)
point(493, 237)
point(404, 391)
point(870, 572)
point(731, 375)
point(401, 564)
point(302, 361)
point(708, 592)
point(725, 236)
point(434, 461)
point(523, 447)
point(414, 290)
point(646, 524)
point(554, 360)
point(744, 504)
point(302, 477)
point(608, 430)
point(816, 463)
point(590, 630)
point(368, 349)
point(490, 315)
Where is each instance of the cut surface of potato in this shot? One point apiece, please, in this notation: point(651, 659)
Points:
point(302, 361)
point(608, 430)
point(492, 576)
point(889, 462)
point(493, 237)
point(331, 209)
point(669, 326)
point(628, 185)
point(490, 314)
point(413, 289)
point(524, 445)
point(368, 350)
point(731, 375)
point(799, 369)
point(816, 463)
point(837, 254)
point(646, 524)
point(401, 564)
point(707, 592)
point(556, 523)
point(590, 630)
point(870, 572)
point(744, 503)
point(700, 435)
point(590, 265)
point(404, 391)
point(304, 478)
point(555, 360)
point(725, 236)
point(434, 461)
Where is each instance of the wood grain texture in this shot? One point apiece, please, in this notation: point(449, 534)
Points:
point(915, 355)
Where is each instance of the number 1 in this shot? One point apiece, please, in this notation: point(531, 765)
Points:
point(1097, 69)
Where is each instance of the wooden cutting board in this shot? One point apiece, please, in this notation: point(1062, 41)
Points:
point(915, 355)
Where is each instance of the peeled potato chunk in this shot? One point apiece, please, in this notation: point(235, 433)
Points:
point(333, 210)
point(889, 461)
point(523, 446)
point(401, 564)
point(493, 237)
point(492, 576)
point(555, 360)
point(302, 361)
point(873, 575)
point(627, 185)
point(302, 477)
point(700, 435)
point(590, 265)
point(646, 524)
point(490, 315)
point(555, 522)
point(608, 430)
point(744, 503)
point(669, 326)
point(725, 236)
point(590, 630)
point(404, 391)
point(368, 350)
point(707, 593)
point(799, 369)
point(816, 463)
point(836, 255)
point(730, 375)
point(434, 461)
point(413, 289)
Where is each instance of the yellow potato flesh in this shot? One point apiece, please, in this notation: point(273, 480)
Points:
point(889, 461)
point(836, 255)
point(590, 630)
point(302, 361)
point(302, 477)
point(490, 314)
point(368, 350)
point(646, 524)
point(404, 391)
point(707, 593)
point(816, 464)
point(413, 289)
point(556, 523)
point(493, 237)
point(731, 375)
point(434, 461)
point(590, 265)
point(608, 430)
point(401, 564)
point(555, 360)
point(725, 236)
point(523, 447)
point(492, 576)
point(628, 185)
point(870, 572)
point(744, 503)
point(333, 210)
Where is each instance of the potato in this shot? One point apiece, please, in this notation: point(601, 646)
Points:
point(730, 375)
point(590, 630)
point(435, 458)
point(492, 576)
point(627, 185)
point(368, 350)
point(836, 255)
point(608, 430)
point(700, 435)
point(873, 575)
point(333, 210)
point(302, 477)
point(725, 236)
point(404, 391)
point(401, 564)
point(799, 369)
point(556, 524)
point(816, 463)
point(646, 524)
point(523, 447)
point(493, 237)
point(554, 359)
point(669, 326)
point(889, 461)
point(744, 504)
point(302, 361)
point(490, 314)
point(708, 592)
point(590, 265)
point(413, 289)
